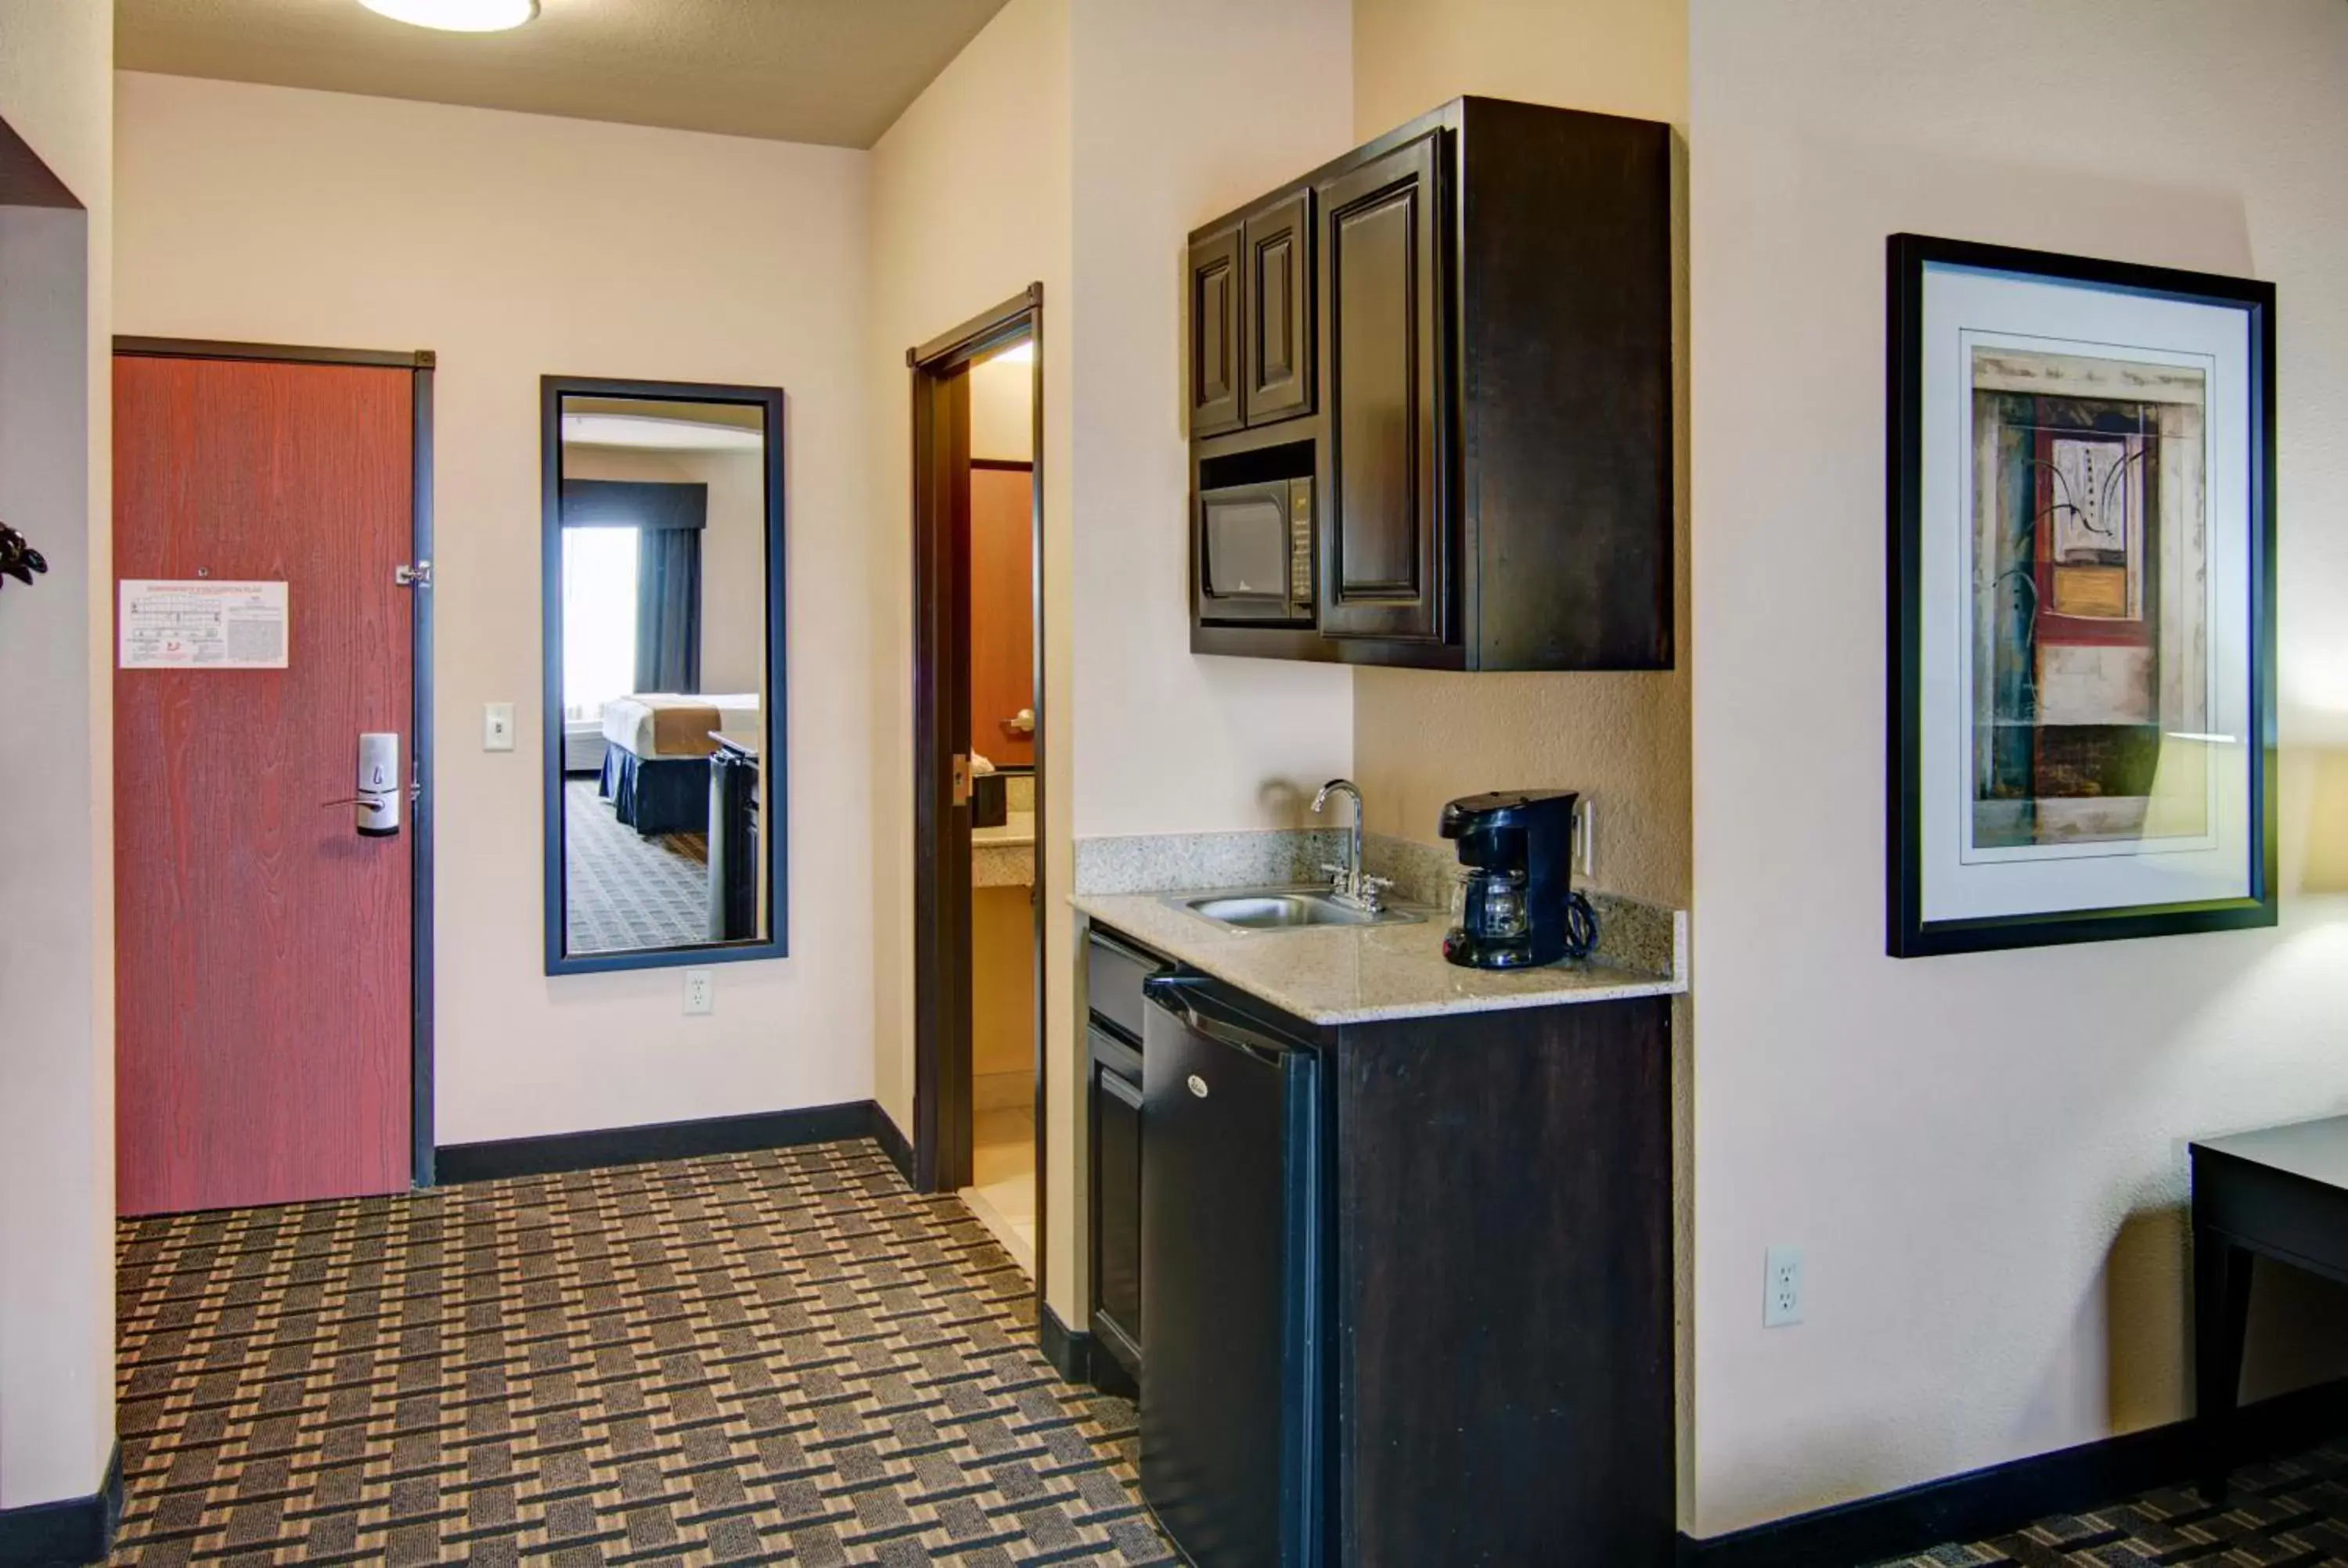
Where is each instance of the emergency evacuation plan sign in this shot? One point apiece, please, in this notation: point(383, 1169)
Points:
point(202, 625)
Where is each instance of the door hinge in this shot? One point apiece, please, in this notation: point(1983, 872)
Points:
point(417, 576)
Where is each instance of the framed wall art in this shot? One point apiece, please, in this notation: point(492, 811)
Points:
point(2082, 599)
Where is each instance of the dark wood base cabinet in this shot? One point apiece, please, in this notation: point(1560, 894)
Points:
point(1502, 1285)
point(1473, 1256)
point(1460, 336)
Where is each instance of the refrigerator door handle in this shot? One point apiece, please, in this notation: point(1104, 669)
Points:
point(1186, 996)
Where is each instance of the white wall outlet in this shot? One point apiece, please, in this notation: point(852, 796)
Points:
point(700, 992)
point(497, 727)
point(1585, 837)
point(1781, 1294)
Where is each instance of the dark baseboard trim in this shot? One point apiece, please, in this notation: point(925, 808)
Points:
point(1069, 1350)
point(892, 1142)
point(661, 1140)
point(1081, 1358)
point(2004, 1498)
point(67, 1533)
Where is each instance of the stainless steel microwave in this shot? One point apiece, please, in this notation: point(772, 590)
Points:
point(1255, 552)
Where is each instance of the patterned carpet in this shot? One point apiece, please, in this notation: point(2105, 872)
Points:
point(2285, 1513)
point(780, 1356)
point(625, 891)
point(772, 1358)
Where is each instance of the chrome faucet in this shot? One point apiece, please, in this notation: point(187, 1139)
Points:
point(1350, 883)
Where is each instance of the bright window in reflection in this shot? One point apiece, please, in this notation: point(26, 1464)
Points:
point(599, 618)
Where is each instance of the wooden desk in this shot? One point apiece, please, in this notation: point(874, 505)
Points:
point(2281, 1193)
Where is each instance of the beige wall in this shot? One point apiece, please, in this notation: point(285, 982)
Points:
point(57, 963)
point(57, 958)
point(1175, 127)
point(970, 205)
point(516, 246)
point(733, 548)
point(1982, 1157)
point(1420, 737)
point(1615, 57)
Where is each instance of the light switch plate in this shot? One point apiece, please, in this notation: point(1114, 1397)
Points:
point(497, 727)
point(700, 992)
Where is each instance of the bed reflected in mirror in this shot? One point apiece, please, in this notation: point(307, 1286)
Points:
point(664, 541)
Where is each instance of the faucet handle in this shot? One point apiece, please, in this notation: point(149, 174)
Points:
point(1335, 871)
point(1374, 889)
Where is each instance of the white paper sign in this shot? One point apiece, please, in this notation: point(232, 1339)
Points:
point(202, 625)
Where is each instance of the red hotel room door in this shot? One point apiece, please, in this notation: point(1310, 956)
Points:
point(263, 945)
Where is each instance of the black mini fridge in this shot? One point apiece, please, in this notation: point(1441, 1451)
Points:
point(1234, 1378)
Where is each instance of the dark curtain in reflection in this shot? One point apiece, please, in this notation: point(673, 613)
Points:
point(668, 609)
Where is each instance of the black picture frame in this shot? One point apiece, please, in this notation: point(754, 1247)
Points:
point(1907, 933)
point(774, 715)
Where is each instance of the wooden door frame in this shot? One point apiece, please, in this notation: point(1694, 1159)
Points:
point(942, 892)
point(420, 363)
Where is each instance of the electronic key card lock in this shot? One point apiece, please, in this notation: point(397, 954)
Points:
point(376, 803)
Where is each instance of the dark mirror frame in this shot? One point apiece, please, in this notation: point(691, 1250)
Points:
point(774, 755)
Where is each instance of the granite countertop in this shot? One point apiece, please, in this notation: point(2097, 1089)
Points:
point(1354, 974)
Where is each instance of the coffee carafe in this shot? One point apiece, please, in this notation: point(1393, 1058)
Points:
point(1518, 906)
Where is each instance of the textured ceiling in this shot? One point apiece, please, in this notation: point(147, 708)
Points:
point(829, 71)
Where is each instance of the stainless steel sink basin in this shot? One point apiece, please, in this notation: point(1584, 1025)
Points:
point(1286, 909)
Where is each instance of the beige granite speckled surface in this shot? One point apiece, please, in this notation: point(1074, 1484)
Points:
point(1004, 857)
point(1154, 862)
point(1645, 938)
point(1354, 974)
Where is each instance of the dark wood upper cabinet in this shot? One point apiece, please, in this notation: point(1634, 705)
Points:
point(1278, 311)
point(1381, 557)
point(1217, 330)
point(1466, 349)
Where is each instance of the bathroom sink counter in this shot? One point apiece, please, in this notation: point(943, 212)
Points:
point(1017, 831)
point(1003, 857)
point(1356, 974)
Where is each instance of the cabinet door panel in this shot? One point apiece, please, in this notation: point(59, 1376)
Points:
point(1217, 328)
point(1116, 1208)
point(1383, 557)
point(1278, 251)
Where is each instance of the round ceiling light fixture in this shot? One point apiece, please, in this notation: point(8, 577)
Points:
point(457, 16)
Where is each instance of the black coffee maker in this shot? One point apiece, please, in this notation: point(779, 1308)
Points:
point(1519, 907)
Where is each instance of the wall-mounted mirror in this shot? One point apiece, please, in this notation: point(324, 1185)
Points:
point(665, 665)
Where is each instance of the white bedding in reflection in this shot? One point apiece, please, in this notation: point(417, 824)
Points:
point(630, 722)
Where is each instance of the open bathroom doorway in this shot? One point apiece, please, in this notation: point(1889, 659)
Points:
point(979, 741)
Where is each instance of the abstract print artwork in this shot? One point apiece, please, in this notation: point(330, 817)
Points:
point(2091, 631)
point(2081, 633)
